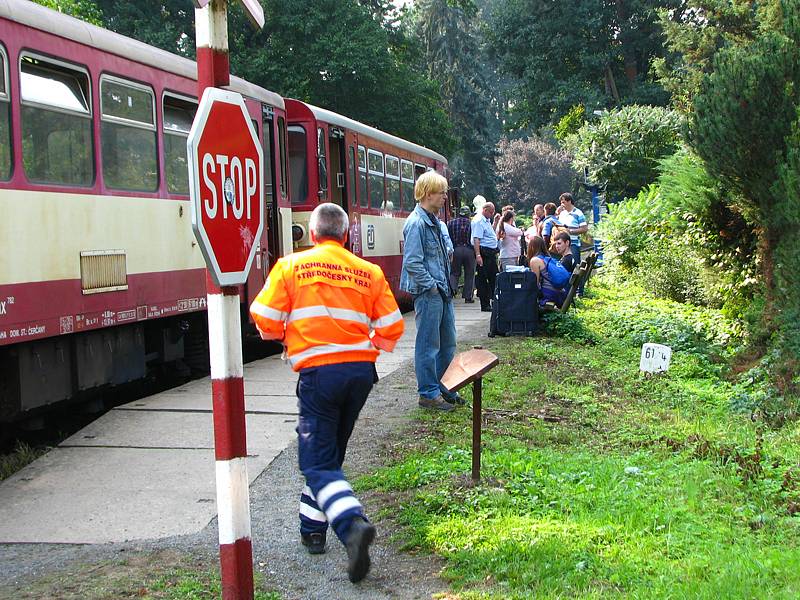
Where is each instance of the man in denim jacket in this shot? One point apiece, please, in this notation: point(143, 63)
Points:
point(426, 276)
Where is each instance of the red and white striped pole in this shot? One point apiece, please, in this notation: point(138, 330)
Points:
point(225, 346)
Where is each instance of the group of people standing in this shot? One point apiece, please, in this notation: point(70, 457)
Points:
point(490, 241)
point(333, 327)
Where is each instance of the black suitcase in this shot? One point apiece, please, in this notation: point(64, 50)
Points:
point(515, 310)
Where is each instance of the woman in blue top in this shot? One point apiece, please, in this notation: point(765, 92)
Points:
point(537, 260)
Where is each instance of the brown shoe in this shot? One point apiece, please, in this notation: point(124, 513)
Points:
point(437, 403)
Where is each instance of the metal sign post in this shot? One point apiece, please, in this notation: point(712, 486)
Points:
point(470, 367)
point(226, 188)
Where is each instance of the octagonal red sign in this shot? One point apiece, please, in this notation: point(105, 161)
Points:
point(226, 185)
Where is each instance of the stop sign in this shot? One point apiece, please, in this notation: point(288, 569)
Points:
point(226, 185)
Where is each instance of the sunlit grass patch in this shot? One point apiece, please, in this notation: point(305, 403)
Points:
point(599, 481)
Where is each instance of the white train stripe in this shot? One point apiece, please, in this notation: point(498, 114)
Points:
point(330, 490)
point(340, 506)
point(389, 319)
point(312, 513)
point(224, 336)
point(345, 314)
point(154, 232)
point(233, 500)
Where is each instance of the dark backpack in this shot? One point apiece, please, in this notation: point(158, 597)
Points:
point(557, 273)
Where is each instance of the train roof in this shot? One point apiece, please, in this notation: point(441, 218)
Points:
point(51, 21)
point(328, 116)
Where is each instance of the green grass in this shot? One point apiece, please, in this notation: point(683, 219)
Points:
point(159, 575)
point(183, 584)
point(15, 460)
point(599, 481)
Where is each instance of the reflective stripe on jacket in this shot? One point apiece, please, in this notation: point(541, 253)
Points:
point(328, 306)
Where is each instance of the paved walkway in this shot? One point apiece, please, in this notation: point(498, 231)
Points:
point(145, 470)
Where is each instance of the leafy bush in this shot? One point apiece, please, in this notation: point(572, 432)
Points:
point(631, 226)
point(622, 148)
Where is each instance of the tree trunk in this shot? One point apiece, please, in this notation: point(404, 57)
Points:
point(628, 53)
point(611, 84)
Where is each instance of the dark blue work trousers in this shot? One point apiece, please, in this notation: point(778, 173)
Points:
point(330, 399)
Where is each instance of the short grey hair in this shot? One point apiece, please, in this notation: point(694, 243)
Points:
point(328, 220)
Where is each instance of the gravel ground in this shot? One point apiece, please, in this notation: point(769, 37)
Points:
point(274, 497)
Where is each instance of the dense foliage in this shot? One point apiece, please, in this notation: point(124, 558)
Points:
point(559, 54)
point(532, 171)
point(621, 149)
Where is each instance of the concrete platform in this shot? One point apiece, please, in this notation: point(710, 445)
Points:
point(145, 470)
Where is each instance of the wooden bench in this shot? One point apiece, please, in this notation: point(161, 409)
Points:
point(578, 278)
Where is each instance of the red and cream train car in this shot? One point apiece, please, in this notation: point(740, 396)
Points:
point(100, 274)
point(369, 173)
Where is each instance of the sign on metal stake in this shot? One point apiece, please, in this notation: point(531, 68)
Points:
point(470, 367)
point(226, 190)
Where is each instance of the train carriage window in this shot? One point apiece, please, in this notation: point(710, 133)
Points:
point(393, 183)
point(322, 162)
point(282, 150)
point(128, 135)
point(5, 119)
point(376, 189)
point(298, 163)
point(178, 116)
point(407, 176)
point(351, 188)
point(56, 122)
point(362, 175)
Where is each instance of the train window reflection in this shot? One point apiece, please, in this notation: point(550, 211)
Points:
point(376, 190)
point(298, 164)
point(393, 182)
point(351, 188)
point(407, 176)
point(178, 116)
point(128, 135)
point(362, 175)
point(56, 123)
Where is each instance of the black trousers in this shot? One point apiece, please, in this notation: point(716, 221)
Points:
point(486, 276)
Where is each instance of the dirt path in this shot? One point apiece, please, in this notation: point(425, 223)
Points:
point(107, 571)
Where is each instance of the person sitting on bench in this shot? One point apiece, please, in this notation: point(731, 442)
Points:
point(563, 250)
point(538, 261)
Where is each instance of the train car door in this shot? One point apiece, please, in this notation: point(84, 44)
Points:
point(271, 253)
point(338, 189)
point(350, 146)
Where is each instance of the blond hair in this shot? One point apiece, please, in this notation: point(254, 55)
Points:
point(429, 182)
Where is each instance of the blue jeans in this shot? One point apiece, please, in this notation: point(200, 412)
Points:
point(436, 342)
point(576, 253)
point(330, 397)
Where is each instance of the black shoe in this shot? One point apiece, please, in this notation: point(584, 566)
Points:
point(469, 300)
point(457, 399)
point(361, 535)
point(486, 309)
point(314, 542)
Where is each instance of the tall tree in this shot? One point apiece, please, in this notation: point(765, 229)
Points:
point(454, 57)
point(532, 171)
point(696, 31)
point(593, 52)
point(86, 10)
point(745, 125)
point(338, 55)
point(168, 24)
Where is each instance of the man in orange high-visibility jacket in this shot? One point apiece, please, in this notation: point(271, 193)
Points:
point(334, 312)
